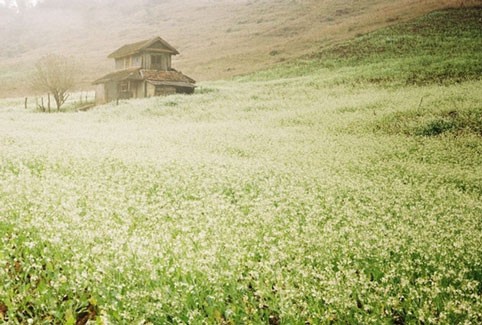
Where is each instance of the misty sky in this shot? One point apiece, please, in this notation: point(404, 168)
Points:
point(13, 3)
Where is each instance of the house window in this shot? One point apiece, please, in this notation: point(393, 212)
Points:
point(156, 60)
point(124, 86)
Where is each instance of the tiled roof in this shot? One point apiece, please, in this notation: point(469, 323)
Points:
point(133, 48)
point(172, 75)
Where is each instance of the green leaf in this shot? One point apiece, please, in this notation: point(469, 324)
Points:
point(69, 317)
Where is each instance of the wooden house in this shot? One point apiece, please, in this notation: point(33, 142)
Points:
point(143, 69)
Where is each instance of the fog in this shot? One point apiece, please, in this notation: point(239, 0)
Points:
point(90, 30)
point(215, 38)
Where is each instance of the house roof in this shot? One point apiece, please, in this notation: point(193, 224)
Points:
point(127, 74)
point(152, 76)
point(172, 75)
point(133, 48)
point(172, 83)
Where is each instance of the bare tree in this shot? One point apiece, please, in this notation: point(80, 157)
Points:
point(56, 75)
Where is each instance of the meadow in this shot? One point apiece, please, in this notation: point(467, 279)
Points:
point(326, 190)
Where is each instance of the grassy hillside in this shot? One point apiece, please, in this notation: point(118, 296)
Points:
point(312, 193)
point(441, 47)
point(216, 38)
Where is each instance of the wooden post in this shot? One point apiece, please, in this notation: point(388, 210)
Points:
point(43, 107)
point(48, 101)
point(421, 101)
point(26, 102)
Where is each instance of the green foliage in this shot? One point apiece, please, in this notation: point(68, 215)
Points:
point(264, 202)
point(38, 282)
point(443, 47)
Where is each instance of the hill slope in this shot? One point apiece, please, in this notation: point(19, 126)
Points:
point(440, 47)
point(216, 38)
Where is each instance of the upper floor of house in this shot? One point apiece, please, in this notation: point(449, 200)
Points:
point(153, 54)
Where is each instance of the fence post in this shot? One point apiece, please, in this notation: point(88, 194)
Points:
point(26, 98)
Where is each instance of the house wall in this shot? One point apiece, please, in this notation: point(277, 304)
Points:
point(161, 90)
point(100, 94)
point(140, 91)
point(147, 62)
point(111, 91)
point(137, 61)
point(165, 90)
point(144, 61)
point(128, 62)
point(151, 90)
point(106, 92)
point(185, 90)
point(136, 88)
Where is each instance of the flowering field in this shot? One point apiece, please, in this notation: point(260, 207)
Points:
point(290, 200)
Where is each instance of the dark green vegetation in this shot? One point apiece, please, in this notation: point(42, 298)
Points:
point(36, 274)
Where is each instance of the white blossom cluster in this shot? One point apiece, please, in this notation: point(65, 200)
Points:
point(253, 202)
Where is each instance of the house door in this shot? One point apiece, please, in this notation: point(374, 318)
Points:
point(124, 90)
